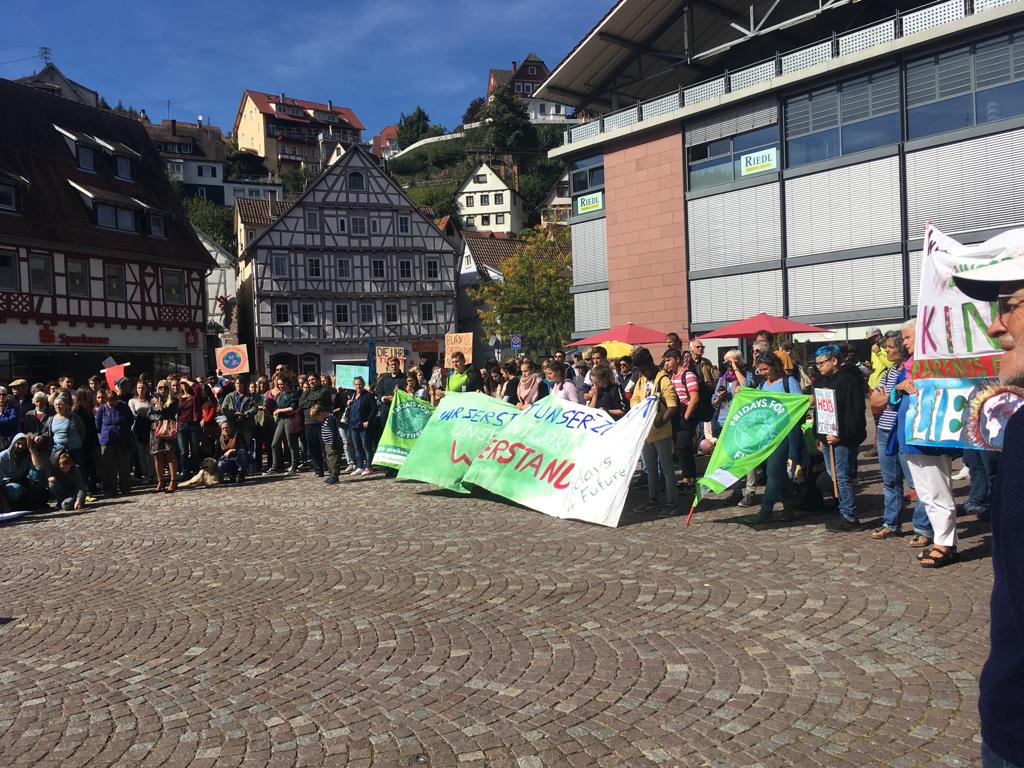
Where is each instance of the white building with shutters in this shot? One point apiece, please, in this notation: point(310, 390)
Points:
point(798, 185)
point(352, 258)
point(489, 203)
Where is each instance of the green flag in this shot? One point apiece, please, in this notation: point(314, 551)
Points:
point(757, 422)
point(458, 429)
point(406, 420)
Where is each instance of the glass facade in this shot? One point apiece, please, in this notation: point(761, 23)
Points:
point(735, 158)
point(586, 179)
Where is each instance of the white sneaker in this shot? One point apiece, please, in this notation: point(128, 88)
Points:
point(963, 474)
point(367, 472)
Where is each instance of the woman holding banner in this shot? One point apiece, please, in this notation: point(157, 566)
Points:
point(777, 486)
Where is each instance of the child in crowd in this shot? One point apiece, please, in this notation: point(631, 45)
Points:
point(334, 450)
point(66, 483)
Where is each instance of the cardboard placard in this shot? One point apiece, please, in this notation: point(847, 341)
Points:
point(825, 412)
point(386, 353)
point(233, 360)
point(345, 372)
point(458, 342)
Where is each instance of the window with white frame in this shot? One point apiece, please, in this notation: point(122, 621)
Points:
point(469, 201)
point(313, 267)
point(344, 268)
point(378, 269)
point(174, 286)
point(358, 225)
point(531, 70)
point(281, 314)
point(86, 158)
point(403, 225)
point(366, 314)
point(527, 87)
point(113, 282)
point(426, 313)
point(307, 313)
point(312, 221)
point(499, 198)
point(156, 225)
point(342, 225)
point(390, 313)
point(405, 269)
point(485, 220)
point(279, 265)
point(433, 269)
point(341, 314)
point(480, 178)
point(499, 218)
point(9, 270)
point(485, 199)
point(40, 273)
point(78, 277)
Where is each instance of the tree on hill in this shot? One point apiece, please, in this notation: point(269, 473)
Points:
point(472, 113)
point(240, 163)
point(215, 220)
point(506, 126)
point(295, 180)
point(412, 128)
point(533, 299)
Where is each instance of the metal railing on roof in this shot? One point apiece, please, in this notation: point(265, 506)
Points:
point(878, 33)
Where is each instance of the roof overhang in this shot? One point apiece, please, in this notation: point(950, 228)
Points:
point(644, 48)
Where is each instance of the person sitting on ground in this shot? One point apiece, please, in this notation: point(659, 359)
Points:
point(66, 483)
point(207, 476)
point(22, 464)
point(234, 456)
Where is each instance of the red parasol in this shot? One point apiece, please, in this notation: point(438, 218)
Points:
point(627, 334)
point(749, 328)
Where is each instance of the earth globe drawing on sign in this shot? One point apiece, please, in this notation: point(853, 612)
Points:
point(232, 360)
point(409, 419)
point(752, 431)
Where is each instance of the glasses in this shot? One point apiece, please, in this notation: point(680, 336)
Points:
point(1005, 308)
point(698, 346)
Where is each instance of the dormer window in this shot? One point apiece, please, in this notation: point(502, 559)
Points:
point(86, 158)
point(125, 168)
point(112, 217)
point(156, 225)
point(8, 197)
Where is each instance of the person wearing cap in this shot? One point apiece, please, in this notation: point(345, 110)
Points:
point(1002, 679)
point(22, 396)
point(123, 387)
point(10, 418)
point(880, 361)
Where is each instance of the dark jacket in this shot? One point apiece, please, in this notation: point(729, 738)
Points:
point(115, 424)
point(319, 396)
point(363, 409)
point(387, 384)
point(851, 407)
point(1002, 679)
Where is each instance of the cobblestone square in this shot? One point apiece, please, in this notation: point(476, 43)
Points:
point(377, 623)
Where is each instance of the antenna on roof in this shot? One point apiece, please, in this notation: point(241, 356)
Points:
point(168, 102)
point(45, 54)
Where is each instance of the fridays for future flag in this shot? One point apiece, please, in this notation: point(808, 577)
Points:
point(406, 419)
point(757, 423)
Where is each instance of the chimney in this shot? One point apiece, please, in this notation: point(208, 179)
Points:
point(515, 66)
point(330, 106)
point(174, 127)
point(143, 116)
point(282, 97)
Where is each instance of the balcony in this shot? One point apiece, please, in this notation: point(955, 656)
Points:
point(875, 35)
point(292, 134)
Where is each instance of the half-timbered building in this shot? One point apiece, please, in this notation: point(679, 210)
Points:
point(97, 258)
point(352, 258)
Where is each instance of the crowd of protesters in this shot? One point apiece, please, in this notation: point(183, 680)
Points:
point(68, 445)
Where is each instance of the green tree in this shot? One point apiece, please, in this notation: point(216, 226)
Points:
point(240, 163)
point(533, 298)
point(295, 180)
point(215, 220)
point(439, 197)
point(412, 128)
point(472, 112)
point(507, 127)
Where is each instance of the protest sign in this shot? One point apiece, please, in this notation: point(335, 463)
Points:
point(756, 424)
point(406, 419)
point(345, 372)
point(959, 402)
point(825, 412)
point(233, 360)
point(384, 354)
point(565, 460)
point(458, 342)
point(461, 425)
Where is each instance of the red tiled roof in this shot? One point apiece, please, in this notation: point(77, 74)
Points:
point(491, 248)
point(264, 100)
point(443, 222)
point(257, 210)
point(54, 213)
point(209, 139)
point(387, 133)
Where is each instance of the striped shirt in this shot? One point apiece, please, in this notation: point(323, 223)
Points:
point(329, 430)
point(887, 420)
point(685, 383)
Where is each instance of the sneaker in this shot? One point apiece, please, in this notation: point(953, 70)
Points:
point(366, 472)
point(331, 480)
point(963, 474)
point(844, 525)
point(270, 471)
point(293, 471)
point(746, 501)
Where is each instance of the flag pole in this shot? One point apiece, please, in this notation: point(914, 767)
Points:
point(693, 509)
point(835, 484)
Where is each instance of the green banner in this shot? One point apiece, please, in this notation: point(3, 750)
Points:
point(459, 428)
point(406, 420)
point(757, 422)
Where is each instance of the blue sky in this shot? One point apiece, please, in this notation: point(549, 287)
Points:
point(380, 58)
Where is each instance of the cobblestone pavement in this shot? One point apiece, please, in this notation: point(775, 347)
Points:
point(375, 623)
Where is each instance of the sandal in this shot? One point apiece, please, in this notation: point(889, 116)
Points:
point(885, 532)
point(918, 541)
point(939, 557)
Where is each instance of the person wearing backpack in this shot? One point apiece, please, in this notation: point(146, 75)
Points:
point(687, 385)
point(652, 382)
point(777, 486)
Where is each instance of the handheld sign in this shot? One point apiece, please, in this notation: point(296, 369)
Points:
point(825, 412)
point(458, 342)
point(345, 373)
point(234, 359)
